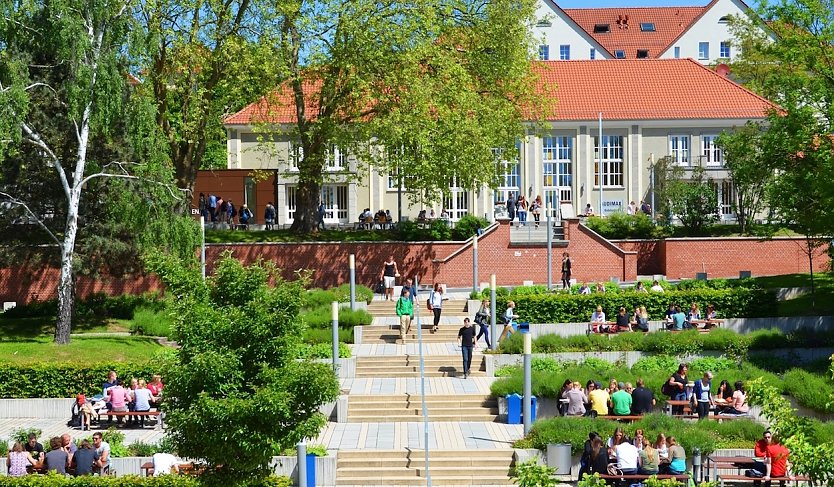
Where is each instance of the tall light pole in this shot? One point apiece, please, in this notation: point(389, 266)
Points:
point(475, 263)
point(352, 266)
point(601, 171)
point(492, 327)
point(549, 251)
point(424, 406)
point(203, 246)
point(528, 382)
point(334, 314)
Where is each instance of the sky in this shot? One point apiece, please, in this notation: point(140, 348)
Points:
point(633, 3)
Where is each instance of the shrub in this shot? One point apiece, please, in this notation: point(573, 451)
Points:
point(572, 308)
point(314, 336)
point(321, 317)
point(620, 225)
point(318, 298)
point(363, 293)
point(97, 305)
point(65, 380)
point(54, 480)
point(322, 351)
point(147, 321)
point(528, 290)
point(468, 226)
point(531, 474)
point(811, 391)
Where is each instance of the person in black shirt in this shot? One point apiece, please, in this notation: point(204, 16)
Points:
point(623, 323)
point(33, 447)
point(642, 399)
point(466, 340)
point(84, 459)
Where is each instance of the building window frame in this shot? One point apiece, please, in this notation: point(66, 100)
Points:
point(544, 52)
point(677, 52)
point(680, 147)
point(711, 154)
point(725, 50)
point(564, 52)
point(557, 169)
point(703, 50)
point(613, 162)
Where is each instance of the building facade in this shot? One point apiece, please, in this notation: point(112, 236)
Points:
point(698, 32)
point(649, 109)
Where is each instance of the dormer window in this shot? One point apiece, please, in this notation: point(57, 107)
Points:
point(724, 20)
point(642, 53)
point(602, 28)
point(647, 26)
point(544, 23)
point(619, 54)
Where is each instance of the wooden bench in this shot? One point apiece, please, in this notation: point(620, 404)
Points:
point(241, 226)
point(157, 414)
point(773, 480)
point(682, 478)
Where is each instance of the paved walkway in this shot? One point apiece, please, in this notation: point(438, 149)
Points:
point(442, 435)
point(410, 348)
point(55, 427)
point(434, 385)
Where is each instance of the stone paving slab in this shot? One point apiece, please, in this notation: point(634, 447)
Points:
point(424, 318)
point(411, 385)
point(442, 435)
point(411, 348)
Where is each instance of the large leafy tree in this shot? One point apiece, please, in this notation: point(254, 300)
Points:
point(72, 142)
point(199, 61)
point(235, 392)
point(751, 174)
point(430, 90)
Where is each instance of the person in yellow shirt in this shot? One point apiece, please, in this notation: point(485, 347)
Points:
point(599, 401)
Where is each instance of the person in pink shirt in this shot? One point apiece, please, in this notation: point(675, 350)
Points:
point(118, 397)
point(156, 386)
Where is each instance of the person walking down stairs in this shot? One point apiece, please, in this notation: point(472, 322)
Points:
point(466, 340)
point(405, 310)
point(436, 304)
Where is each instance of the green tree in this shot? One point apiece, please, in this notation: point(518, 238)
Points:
point(434, 88)
point(200, 61)
point(64, 124)
point(694, 200)
point(752, 176)
point(235, 392)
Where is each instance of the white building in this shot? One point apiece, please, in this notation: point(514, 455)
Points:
point(700, 33)
point(650, 109)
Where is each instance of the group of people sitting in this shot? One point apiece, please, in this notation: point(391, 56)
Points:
point(65, 456)
point(728, 400)
point(621, 455)
point(84, 458)
point(139, 396)
point(618, 399)
point(638, 320)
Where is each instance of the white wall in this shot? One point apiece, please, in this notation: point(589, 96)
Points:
point(564, 31)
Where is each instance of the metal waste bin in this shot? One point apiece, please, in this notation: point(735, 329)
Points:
point(559, 458)
point(311, 470)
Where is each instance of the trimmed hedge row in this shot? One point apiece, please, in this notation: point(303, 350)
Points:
point(572, 308)
point(98, 305)
point(55, 480)
point(64, 380)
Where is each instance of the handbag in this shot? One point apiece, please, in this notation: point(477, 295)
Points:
point(753, 474)
point(613, 470)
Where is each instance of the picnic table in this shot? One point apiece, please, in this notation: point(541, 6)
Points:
point(715, 462)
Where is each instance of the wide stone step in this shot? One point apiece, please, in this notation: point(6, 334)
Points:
point(459, 399)
point(419, 454)
point(411, 374)
point(385, 472)
point(416, 418)
point(439, 480)
point(461, 462)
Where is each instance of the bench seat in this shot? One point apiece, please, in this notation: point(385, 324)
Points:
point(638, 476)
point(120, 414)
point(773, 480)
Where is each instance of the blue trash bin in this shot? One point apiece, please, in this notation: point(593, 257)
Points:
point(311, 470)
point(533, 409)
point(524, 327)
point(513, 409)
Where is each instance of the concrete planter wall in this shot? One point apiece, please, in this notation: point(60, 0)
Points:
point(49, 408)
point(325, 468)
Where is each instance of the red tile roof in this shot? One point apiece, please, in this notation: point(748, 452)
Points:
point(669, 23)
point(646, 89)
point(622, 89)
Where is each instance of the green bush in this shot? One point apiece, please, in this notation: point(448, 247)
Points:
point(97, 305)
point(468, 226)
point(65, 380)
point(150, 322)
point(318, 298)
point(363, 293)
point(620, 225)
point(321, 317)
point(528, 290)
point(314, 336)
point(572, 308)
point(323, 350)
point(810, 390)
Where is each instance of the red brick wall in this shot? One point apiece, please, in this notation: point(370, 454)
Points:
point(725, 257)
point(649, 256)
point(24, 285)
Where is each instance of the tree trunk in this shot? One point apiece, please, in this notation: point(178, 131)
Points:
point(66, 284)
point(307, 198)
point(811, 249)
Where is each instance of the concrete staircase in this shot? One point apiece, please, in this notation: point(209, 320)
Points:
point(408, 408)
point(391, 334)
point(452, 307)
point(409, 366)
point(530, 234)
point(407, 467)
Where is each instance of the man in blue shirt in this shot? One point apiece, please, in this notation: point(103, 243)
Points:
point(678, 319)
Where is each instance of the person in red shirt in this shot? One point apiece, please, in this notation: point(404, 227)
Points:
point(775, 457)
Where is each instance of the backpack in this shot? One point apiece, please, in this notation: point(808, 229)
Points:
point(428, 305)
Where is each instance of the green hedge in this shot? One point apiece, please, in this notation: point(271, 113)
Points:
point(65, 380)
point(706, 435)
point(54, 480)
point(98, 305)
point(571, 308)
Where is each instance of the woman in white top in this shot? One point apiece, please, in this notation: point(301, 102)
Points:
point(598, 321)
point(436, 301)
point(739, 403)
point(509, 317)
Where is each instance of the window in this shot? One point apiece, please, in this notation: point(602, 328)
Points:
point(296, 155)
point(334, 197)
point(336, 159)
point(456, 201)
point(726, 192)
point(407, 182)
point(564, 52)
point(557, 159)
point(612, 160)
point(619, 54)
point(724, 49)
point(647, 26)
point(711, 154)
point(602, 28)
point(724, 20)
point(544, 23)
point(509, 175)
point(679, 149)
point(544, 52)
point(642, 53)
point(677, 52)
point(593, 53)
point(703, 50)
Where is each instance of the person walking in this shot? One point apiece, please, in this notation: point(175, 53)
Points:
point(703, 395)
point(511, 208)
point(405, 310)
point(436, 304)
point(466, 340)
point(509, 319)
point(482, 320)
point(321, 210)
point(566, 265)
point(522, 210)
point(269, 216)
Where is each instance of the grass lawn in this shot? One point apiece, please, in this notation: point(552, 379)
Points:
point(89, 350)
point(240, 236)
point(801, 306)
point(38, 327)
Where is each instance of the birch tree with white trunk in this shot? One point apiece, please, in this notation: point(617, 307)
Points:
point(90, 38)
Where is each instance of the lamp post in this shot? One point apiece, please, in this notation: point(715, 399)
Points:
point(528, 383)
point(475, 263)
point(203, 247)
point(424, 406)
point(601, 166)
point(492, 305)
point(352, 266)
point(301, 455)
point(549, 251)
point(334, 315)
